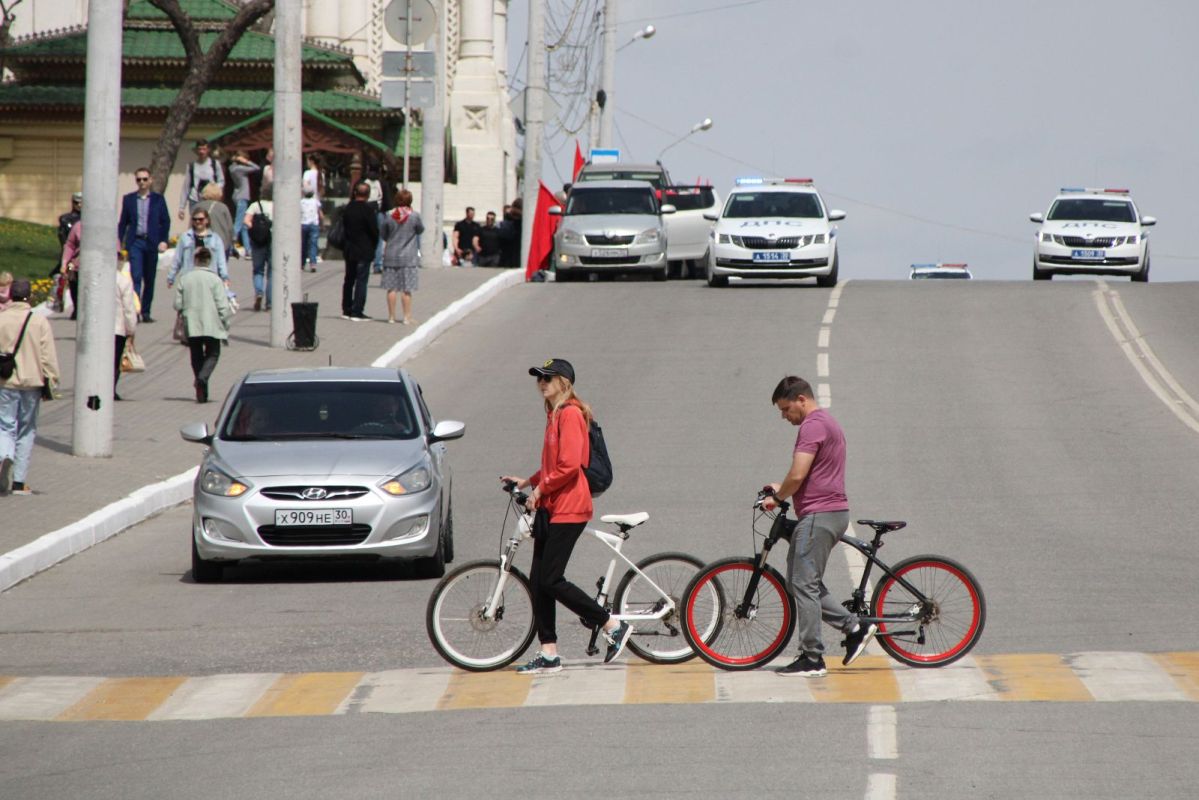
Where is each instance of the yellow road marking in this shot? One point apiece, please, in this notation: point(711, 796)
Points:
point(869, 680)
point(502, 689)
point(690, 682)
point(1033, 676)
point(5, 680)
point(1184, 669)
point(305, 695)
point(122, 699)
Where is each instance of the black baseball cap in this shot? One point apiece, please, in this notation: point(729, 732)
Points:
point(555, 366)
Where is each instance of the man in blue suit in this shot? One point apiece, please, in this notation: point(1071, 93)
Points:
point(144, 230)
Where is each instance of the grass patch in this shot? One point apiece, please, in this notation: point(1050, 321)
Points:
point(28, 250)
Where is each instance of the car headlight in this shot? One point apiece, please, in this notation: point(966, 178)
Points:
point(213, 481)
point(650, 236)
point(1131, 240)
point(571, 237)
point(1046, 237)
point(414, 480)
point(724, 238)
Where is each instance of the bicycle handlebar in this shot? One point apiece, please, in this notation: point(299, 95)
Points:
point(520, 498)
point(768, 491)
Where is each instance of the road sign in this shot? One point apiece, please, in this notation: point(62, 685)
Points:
point(604, 156)
point(424, 20)
point(396, 64)
point(550, 106)
point(420, 94)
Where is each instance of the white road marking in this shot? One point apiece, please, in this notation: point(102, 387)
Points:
point(822, 342)
point(1155, 375)
point(215, 697)
point(822, 365)
point(43, 698)
point(828, 316)
point(824, 395)
point(762, 686)
point(961, 680)
point(397, 691)
point(881, 739)
point(1125, 676)
point(579, 686)
point(880, 786)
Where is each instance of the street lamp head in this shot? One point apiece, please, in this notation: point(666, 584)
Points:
point(702, 126)
point(645, 33)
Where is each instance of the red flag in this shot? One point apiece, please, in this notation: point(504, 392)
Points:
point(542, 244)
point(579, 162)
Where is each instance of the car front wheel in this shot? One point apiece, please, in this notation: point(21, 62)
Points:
point(831, 278)
point(715, 280)
point(204, 571)
point(1040, 274)
point(1143, 275)
point(434, 565)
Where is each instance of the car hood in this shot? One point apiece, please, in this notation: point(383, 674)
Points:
point(783, 226)
point(1088, 228)
point(616, 223)
point(319, 457)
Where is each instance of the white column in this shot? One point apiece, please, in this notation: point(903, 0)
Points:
point(534, 124)
point(432, 163)
point(499, 35)
point(608, 74)
point(477, 19)
point(92, 411)
point(285, 217)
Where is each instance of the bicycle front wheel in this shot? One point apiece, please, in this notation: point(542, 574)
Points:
point(660, 640)
point(731, 629)
point(950, 623)
point(459, 627)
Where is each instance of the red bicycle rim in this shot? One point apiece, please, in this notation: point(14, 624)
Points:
point(970, 631)
point(778, 640)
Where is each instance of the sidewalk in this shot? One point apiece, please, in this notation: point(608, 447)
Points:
point(147, 447)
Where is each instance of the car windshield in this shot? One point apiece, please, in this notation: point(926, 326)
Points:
point(1092, 209)
point(648, 176)
point(320, 410)
point(610, 201)
point(743, 205)
point(689, 198)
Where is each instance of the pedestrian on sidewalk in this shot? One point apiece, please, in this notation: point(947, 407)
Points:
point(144, 230)
point(361, 226)
point(6, 280)
point(125, 323)
point(220, 221)
point(28, 337)
point(201, 172)
point(401, 232)
point(70, 265)
point(465, 231)
point(260, 255)
point(240, 170)
point(561, 498)
point(487, 242)
point(311, 217)
point(199, 235)
point(202, 298)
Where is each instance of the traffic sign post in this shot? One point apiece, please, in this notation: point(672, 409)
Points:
point(408, 21)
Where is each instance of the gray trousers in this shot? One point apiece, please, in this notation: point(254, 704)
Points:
point(811, 543)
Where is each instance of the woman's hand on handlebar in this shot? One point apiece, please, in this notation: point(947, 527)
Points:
point(513, 486)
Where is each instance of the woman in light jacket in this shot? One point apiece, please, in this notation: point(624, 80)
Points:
point(401, 232)
point(562, 499)
point(125, 323)
point(204, 302)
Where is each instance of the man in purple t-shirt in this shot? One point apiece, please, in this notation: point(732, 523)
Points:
point(816, 485)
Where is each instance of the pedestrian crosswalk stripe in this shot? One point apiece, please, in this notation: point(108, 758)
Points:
point(1024, 677)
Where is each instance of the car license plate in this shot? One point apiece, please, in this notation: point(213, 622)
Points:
point(1087, 255)
point(776, 255)
point(291, 517)
point(609, 252)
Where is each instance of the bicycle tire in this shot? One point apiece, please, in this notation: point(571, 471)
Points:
point(458, 633)
point(659, 641)
point(951, 629)
point(737, 642)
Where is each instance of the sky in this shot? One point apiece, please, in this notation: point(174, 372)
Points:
point(937, 126)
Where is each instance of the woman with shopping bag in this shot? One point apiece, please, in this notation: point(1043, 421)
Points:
point(125, 324)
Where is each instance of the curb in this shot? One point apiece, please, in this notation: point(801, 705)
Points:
point(51, 548)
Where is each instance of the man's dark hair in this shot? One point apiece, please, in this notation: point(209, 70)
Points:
point(200, 143)
point(203, 255)
point(362, 190)
point(790, 388)
point(469, 209)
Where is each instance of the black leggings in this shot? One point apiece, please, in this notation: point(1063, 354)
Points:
point(552, 546)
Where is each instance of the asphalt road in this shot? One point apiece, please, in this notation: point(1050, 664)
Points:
point(1002, 420)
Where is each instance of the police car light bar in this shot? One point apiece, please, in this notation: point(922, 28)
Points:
point(772, 181)
point(940, 266)
point(750, 181)
point(1091, 190)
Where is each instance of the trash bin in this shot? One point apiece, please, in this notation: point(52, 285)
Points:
point(303, 334)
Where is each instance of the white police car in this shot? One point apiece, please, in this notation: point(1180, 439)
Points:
point(940, 272)
point(1091, 231)
point(773, 228)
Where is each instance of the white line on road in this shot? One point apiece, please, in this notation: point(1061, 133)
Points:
point(880, 786)
point(828, 316)
point(822, 342)
point(822, 365)
point(824, 395)
point(880, 733)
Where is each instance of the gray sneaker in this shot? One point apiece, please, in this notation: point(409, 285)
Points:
point(540, 665)
point(617, 639)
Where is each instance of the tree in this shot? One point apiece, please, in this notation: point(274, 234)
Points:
point(202, 67)
point(7, 18)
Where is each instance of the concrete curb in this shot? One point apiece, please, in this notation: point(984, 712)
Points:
point(51, 548)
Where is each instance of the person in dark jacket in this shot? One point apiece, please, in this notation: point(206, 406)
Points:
point(360, 221)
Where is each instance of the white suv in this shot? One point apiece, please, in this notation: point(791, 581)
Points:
point(774, 228)
point(1091, 231)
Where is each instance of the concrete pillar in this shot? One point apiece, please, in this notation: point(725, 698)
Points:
point(285, 223)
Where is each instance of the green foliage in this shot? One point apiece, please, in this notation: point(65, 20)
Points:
point(27, 250)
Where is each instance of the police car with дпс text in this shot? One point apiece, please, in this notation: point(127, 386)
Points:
point(773, 228)
point(1091, 231)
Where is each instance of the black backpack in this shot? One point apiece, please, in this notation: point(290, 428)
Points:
point(599, 470)
point(260, 228)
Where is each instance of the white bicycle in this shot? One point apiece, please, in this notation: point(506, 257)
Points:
point(480, 616)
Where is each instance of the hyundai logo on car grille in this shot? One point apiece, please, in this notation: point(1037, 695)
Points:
point(314, 493)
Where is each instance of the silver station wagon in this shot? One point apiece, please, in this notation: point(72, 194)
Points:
point(319, 463)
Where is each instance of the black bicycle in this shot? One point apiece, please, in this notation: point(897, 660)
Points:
point(738, 614)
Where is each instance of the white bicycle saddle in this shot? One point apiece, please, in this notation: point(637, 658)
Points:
point(626, 520)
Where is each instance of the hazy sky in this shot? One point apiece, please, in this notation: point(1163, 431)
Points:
point(937, 126)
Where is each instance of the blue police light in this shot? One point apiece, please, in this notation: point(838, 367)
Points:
point(750, 181)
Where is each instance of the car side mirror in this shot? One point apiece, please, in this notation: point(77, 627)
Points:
point(711, 217)
point(555, 211)
point(666, 209)
point(1037, 217)
point(835, 214)
point(447, 429)
point(1147, 221)
point(196, 432)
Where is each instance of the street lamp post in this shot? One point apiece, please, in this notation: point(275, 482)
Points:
point(696, 128)
point(608, 76)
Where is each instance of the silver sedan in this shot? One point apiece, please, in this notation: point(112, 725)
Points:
point(319, 463)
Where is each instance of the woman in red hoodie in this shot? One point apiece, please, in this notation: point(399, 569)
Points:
point(562, 500)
